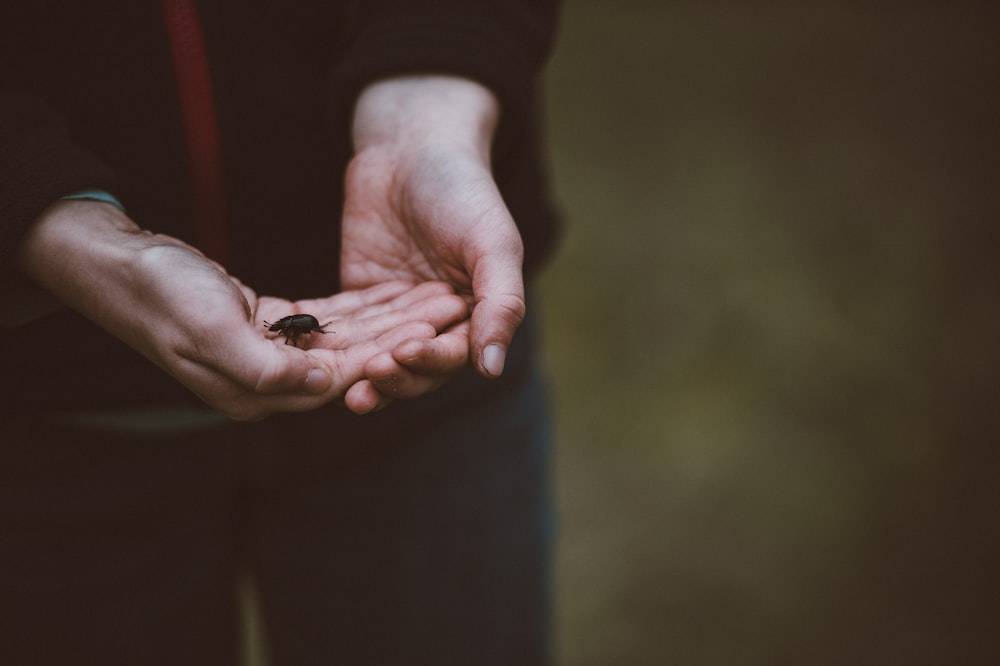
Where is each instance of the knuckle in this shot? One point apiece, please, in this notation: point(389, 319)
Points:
point(510, 308)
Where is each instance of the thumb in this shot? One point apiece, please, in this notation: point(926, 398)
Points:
point(499, 309)
point(270, 369)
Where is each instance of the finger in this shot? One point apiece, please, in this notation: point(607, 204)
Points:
point(374, 300)
point(445, 354)
point(441, 312)
point(433, 302)
point(291, 372)
point(295, 380)
point(400, 382)
point(419, 366)
point(347, 365)
point(415, 294)
point(349, 302)
point(259, 384)
point(364, 398)
point(498, 287)
point(438, 311)
point(410, 330)
point(251, 361)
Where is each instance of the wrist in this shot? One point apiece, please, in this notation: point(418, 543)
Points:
point(47, 254)
point(78, 249)
point(421, 112)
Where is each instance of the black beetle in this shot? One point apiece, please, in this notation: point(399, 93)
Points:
point(295, 325)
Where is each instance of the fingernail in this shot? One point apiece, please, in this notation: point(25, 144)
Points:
point(318, 380)
point(388, 384)
point(493, 359)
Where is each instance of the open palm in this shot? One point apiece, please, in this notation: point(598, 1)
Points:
point(439, 217)
point(205, 328)
point(214, 340)
point(421, 204)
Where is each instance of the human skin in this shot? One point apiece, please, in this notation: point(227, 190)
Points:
point(421, 204)
point(205, 328)
point(422, 218)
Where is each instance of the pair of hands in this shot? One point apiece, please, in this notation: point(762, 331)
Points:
point(431, 267)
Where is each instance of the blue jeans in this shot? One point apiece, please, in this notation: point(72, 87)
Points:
point(421, 535)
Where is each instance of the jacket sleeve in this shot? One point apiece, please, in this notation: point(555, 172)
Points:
point(502, 44)
point(39, 164)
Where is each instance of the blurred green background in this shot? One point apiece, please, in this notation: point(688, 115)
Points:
point(773, 328)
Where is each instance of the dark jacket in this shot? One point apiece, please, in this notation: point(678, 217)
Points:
point(88, 99)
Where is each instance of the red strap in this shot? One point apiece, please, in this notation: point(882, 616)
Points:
point(201, 130)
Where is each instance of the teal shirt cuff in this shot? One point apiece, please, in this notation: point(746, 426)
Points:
point(97, 195)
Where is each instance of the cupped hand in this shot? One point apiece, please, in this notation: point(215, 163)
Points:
point(430, 310)
point(204, 327)
point(421, 204)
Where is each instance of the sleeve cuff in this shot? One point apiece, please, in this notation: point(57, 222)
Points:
point(96, 195)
